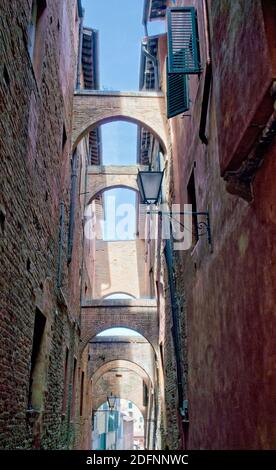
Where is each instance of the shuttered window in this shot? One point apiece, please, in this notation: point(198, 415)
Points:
point(177, 94)
point(183, 46)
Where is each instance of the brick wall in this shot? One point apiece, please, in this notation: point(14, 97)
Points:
point(36, 114)
point(226, 294)
point(129, 387)
point(135, 349)
point(120, 268)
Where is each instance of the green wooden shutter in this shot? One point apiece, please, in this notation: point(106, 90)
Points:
point(183, 47)
point(177, 94)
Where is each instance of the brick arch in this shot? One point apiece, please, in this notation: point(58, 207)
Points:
point(119, 292)
point(143, 413)
point(99, 186)
point(94, 108)
point(135, 352)
point(129, 386)
point(120, 364)
point(138, 315)
point(97, 328)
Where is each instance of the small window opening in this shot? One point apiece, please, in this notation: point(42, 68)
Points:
point(74, 389)
point(81, 393)
point(35, 398)
point(2, 220)
point(65, 382)
point(6, 76)
point(64, 137)
point(192, 200)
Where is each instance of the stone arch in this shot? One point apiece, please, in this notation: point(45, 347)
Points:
point(94, 108)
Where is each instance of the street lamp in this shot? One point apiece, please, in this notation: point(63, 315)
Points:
point(150, 185)
point(111, 400)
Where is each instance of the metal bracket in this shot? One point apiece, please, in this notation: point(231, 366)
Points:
point(203, 226)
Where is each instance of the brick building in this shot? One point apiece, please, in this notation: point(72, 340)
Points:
point(203, 374)
point(44, 52)
point(221, 106)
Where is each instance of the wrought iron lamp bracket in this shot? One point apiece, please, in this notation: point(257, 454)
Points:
point(203, 226)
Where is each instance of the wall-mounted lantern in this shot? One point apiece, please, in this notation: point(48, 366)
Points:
point(150, 185)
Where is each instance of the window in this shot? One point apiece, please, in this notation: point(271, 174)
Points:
point(36, 385)
point(65, 389)
point(183, 44)
point(36, 34)
point(162, 355)
point(73, 402)
point(183, 57)
point(192, 200)
point(64, 137)
point(145, 394)
point(152, 284)
point(81, 393)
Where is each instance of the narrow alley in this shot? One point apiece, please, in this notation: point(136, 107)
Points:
point(137, 225)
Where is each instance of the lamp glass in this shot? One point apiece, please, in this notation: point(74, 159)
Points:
point(111, 400)
point(149, 183)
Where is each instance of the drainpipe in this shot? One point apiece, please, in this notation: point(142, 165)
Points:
point(145, 24)
point(60, 243)
point(74, 177)
point(175, 335)
point(208, 76)
point(148, 54)
point(83, 235)
point(79, 52)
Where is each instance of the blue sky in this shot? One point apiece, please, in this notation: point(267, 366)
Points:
point(120, 214)
point(120, 29)
point(120, 34)
point(119, 23)
point(119, 143)
point(119, 332)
